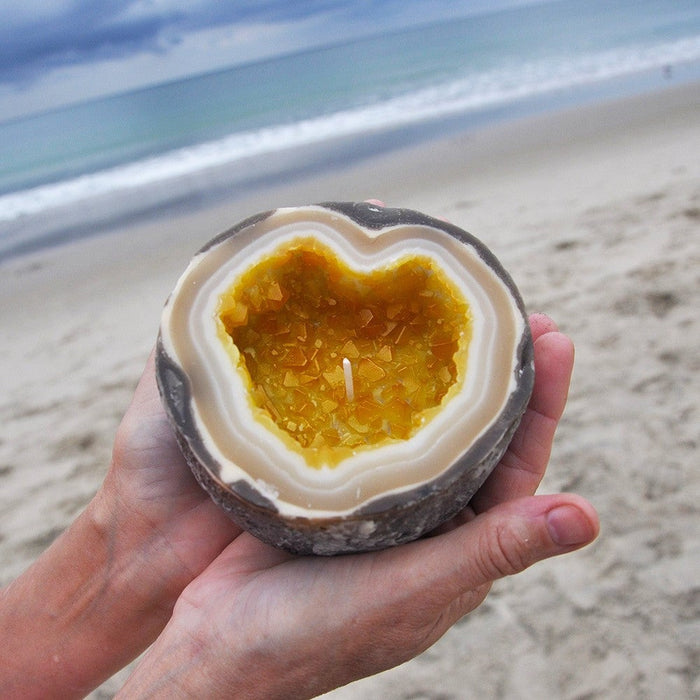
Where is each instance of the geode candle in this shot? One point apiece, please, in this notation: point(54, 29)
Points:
point(343, 377)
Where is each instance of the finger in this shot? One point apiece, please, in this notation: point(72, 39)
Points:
point(145, 441)
point(144, 422)
point(501, 542)
point(145, 415)
point(523, 465)
point(465, 515)
point(541, 324)
point(556, 363)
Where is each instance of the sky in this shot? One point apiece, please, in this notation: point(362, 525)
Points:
point(57, 52)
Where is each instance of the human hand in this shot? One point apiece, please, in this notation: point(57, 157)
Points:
point(259, 622)
point(151, 503)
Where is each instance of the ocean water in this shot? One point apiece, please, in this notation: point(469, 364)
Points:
point(142, 151)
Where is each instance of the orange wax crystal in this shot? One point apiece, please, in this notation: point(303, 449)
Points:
point(297, 314)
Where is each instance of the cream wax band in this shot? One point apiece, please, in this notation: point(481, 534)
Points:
point(250, 440)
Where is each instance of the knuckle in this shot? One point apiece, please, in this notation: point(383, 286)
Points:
point(505, 551)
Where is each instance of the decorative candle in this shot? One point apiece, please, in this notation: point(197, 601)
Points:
point(343, 377)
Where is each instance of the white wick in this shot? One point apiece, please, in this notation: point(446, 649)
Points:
point(349, 385)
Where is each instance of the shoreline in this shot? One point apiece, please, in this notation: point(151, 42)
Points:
point(595, 212)
point(218, 185)
point(417, 176)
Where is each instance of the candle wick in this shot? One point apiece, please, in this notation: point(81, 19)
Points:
point(349, 384)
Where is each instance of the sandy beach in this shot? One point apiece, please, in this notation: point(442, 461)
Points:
point(596, 214)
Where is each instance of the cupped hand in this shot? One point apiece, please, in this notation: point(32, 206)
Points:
point(152, 504)
point(262, 623)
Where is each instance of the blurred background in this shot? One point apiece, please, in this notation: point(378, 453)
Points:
point(110, 110)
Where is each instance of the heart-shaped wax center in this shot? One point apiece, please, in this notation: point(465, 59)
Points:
point(343, 360)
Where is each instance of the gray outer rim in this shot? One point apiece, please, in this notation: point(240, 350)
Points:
point(385, 521)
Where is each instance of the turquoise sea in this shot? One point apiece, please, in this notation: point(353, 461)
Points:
point(146, 150)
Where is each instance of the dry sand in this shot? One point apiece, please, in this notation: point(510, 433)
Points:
point(596, 213)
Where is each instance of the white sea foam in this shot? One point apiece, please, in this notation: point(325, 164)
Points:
point(470, 93)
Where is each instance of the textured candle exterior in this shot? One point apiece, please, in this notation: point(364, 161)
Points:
point(402, 473)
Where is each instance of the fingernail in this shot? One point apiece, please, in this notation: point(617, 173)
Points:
point(568, 526)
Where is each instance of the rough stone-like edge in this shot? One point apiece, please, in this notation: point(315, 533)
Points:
point(383, 522)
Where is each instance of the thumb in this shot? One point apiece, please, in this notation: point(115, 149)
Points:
point(506, 540)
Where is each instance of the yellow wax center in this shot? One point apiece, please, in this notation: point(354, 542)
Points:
point(342, 361)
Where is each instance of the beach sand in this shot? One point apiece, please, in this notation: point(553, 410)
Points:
point(596, 214)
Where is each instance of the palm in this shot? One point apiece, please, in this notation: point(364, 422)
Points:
point(255, 580)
